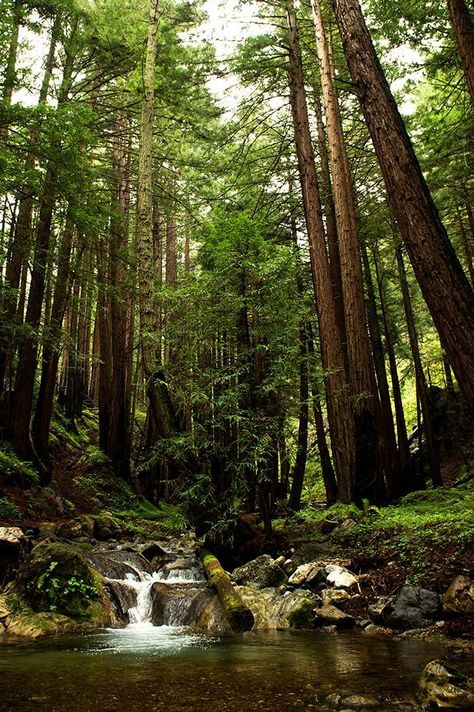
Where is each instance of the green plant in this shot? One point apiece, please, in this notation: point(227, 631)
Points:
point(71, 594)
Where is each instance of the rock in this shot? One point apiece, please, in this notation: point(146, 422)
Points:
point(13, 548)
point(154, 553)
point(48, 503)
point(110, 567)
point(376, 609)
point(330, 615)
point(358, 701)
point(459, 598)
point(333, 596)
point(87, 524)
point(340, 577)
point(261, 572)
point(280, 561)
point(56, 578)
point(328, 525)
point(123, 596)
point(308, 574)
point(411, 607)
point(105, 527)
point(47, 530)
point(70, 530)
point(179, 607)
point(444, 687)
point(289, 567)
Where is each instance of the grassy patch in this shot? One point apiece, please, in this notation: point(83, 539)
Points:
point(14, 471)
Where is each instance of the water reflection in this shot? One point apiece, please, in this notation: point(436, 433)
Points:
point(144, 667)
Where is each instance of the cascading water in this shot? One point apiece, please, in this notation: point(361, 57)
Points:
point(172, 597)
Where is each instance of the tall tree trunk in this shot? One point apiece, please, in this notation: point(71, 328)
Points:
point(21, 238)
point(339, 411)
point(422, 388)
point(331, 224)
point(160, 406)
point(447, 292)
point(22, 398)
point(364, 398)
point(464, 33)
point(52, 346)
point(119, 434)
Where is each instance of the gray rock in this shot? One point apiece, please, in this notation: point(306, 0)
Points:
point(459, 598)
point(330, 615)
point(308, 574)
point(261, 572)
point(444, 687)
point(411, 607)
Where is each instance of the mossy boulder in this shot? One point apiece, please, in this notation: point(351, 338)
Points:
point(56, 578)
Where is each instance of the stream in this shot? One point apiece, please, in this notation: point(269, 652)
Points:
point(175, 667)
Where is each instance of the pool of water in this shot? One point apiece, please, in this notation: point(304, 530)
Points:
point(147, 668)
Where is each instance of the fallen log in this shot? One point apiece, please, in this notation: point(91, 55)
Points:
point(238, 614)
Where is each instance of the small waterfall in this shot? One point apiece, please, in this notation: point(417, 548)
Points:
point(141, 613)
point(173, 596)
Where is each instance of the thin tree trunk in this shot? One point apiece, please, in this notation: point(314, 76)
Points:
point(390, 444)
point(402, 436)
point(422, 387)
point(294, 501)
point(327, 469)
point(447, 292)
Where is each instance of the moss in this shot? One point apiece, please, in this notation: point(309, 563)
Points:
point(15, 471)
point(302, 617)
point(8, 509)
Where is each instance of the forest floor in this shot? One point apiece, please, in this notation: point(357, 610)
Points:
point(425, 538)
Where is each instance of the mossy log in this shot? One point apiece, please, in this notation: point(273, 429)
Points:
point(238, 614)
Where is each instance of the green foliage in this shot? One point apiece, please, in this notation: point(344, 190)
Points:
point(70, 596)
point(8, 509)
point(415, 528)
point(16, 471)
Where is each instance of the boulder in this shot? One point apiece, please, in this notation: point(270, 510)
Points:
point(13, 548)
point(459, 598)
point(105, 527)
point(56, 578)
point(330, 615)
point(339, 577)
point(110, 567)
point(411, 607)
point(70, 530)
point(261, 572)
point(177, 606)
point(308, 574)
point(333, 596)
point(296, 610)
point(444, 687)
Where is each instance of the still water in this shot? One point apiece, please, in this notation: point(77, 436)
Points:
point(146, 668)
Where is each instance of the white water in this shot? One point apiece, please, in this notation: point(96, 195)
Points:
point(140, 615)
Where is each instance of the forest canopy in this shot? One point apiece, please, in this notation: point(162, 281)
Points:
point(237, 242)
